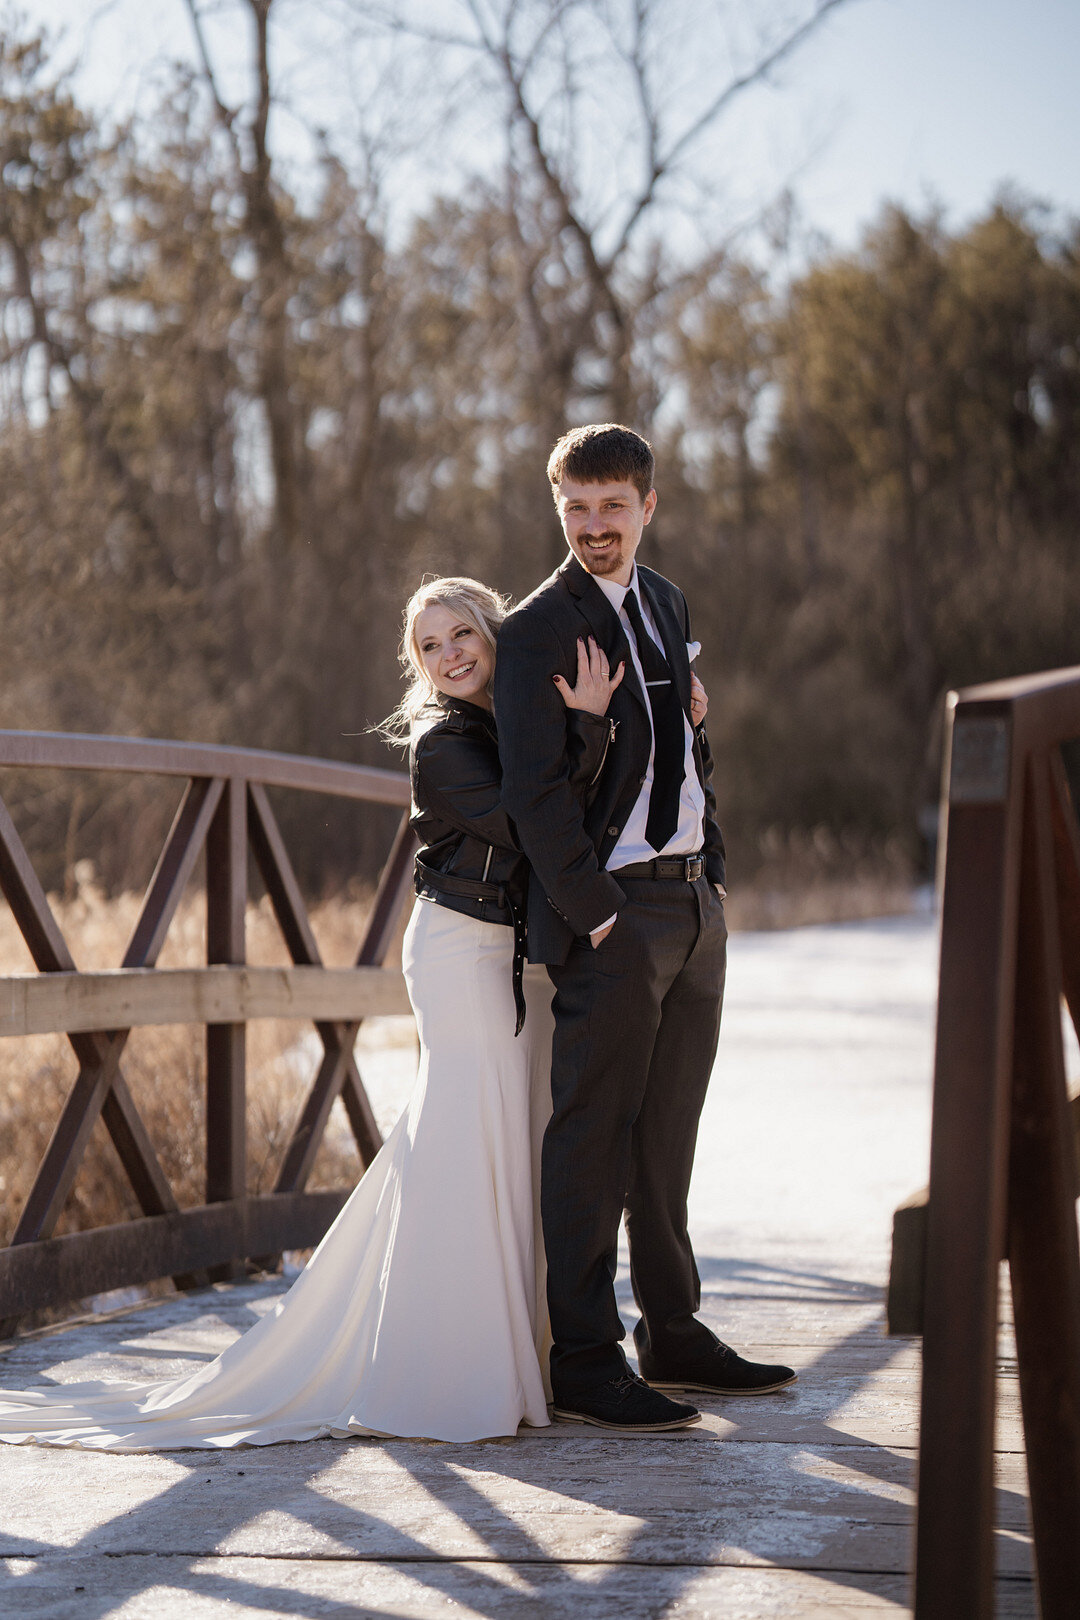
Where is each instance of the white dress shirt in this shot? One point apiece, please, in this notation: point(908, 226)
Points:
point(689, 835)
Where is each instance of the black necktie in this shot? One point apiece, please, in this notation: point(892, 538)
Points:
point(669, 735)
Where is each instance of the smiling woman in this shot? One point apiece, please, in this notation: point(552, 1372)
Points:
point(422, 1312)
point(458, 657)
point(447, 650)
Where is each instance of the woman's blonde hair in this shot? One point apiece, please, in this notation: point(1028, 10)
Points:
point(476, 605)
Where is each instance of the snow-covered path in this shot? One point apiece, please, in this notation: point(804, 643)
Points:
point(817, 1121)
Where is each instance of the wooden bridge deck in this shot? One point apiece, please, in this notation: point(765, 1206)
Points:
point(795, 1505)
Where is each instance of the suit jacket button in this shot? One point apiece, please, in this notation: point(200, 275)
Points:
point(613, 832)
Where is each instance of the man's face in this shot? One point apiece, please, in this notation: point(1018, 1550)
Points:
point(602, 524)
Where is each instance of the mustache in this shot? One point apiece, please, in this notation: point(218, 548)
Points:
point(608, 534)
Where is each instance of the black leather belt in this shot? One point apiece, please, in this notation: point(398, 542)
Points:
point(482, 894)
point(687, 867)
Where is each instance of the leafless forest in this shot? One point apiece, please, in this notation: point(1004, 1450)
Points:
point(243, 411)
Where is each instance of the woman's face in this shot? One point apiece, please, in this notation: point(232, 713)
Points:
point(457, 659)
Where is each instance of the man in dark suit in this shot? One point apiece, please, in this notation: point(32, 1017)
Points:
point(626, 909)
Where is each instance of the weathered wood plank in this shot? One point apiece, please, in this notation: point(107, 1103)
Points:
point(327, 1588)
point(84, 1263)
point(226, 1043)
point(126, 998)
point(907, 1269)
point(581, 1499)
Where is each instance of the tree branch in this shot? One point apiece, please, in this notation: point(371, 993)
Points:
point(89, 402)
point(500, 52)
point(226, 115)
point(661, 165)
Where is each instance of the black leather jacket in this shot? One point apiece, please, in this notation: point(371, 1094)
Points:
point(470, 859)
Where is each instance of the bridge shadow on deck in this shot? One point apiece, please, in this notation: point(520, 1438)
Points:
point(803, 1498)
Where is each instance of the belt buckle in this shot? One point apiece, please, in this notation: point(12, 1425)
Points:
point(695, 868)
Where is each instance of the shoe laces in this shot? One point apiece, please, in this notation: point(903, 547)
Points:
point(626, 1383)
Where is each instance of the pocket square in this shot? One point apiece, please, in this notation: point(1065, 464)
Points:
point(692, 649)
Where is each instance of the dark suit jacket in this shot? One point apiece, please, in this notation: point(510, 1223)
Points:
point(570, 893)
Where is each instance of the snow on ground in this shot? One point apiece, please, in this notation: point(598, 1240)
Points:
point(817, 1122)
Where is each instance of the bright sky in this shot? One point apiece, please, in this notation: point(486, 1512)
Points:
point(942, 98)
point(911, 100)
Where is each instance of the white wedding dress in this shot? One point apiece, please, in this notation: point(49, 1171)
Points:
point(421, 1312)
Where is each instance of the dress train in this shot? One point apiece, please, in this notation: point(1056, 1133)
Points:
point(421, 1313)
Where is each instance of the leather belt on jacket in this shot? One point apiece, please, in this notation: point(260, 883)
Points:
point(491, 902)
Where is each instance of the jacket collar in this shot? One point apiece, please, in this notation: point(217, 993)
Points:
point(446, 703)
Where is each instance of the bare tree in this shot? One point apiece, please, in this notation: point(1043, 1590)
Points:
point(274, 275)
point(607, 105)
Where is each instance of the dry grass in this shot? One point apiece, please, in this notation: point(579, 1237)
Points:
point(817, 877)
point(164, 1067)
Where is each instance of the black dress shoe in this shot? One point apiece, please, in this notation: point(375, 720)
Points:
point(720, 1371)
point(628, 1404)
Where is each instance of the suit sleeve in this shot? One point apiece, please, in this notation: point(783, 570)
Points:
point(457, 778)
point(537, 792)
point(588, 738)
point(715, 857)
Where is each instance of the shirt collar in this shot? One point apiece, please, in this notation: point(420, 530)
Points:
point(616, 594)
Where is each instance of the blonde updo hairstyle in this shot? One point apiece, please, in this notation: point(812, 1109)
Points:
point(476, 605)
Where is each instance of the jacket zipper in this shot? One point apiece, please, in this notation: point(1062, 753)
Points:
point(610, 739)
point(487, 862)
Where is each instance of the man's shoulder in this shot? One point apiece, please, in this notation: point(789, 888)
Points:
point(658, 584)
point(545, 612)
point(550, 595)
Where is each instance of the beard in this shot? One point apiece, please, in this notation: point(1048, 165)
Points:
point(602, 562)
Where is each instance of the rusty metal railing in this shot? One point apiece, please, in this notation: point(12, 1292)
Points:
point(1003, 1170)
point(224, 812)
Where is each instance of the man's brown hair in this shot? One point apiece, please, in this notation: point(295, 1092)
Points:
point(603, 453)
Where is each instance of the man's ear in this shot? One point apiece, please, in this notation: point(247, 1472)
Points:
point(650, 506)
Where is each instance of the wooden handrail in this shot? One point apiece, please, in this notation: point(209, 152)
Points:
point(150, 756)
point(1003, 1173)
point(224, 813)
point(906, 1295)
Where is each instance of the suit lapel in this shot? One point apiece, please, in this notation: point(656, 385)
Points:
point(604, 623)
point(671, 634)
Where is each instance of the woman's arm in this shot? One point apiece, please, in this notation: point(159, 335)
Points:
point(588, 738)
point(457, 775)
